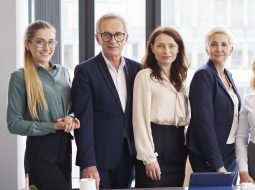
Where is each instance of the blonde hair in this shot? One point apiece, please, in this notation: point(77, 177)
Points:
point(217, 30)
point(34, 88)
point(252, 82)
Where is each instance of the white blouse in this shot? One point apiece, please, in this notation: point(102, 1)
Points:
point(234, 98)
point(233, 131)
point(156, 102)
point(245, 131)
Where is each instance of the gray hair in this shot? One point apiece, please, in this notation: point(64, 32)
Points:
point(219, 30)
point(110, 16)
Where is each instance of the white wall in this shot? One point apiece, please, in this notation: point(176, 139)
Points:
point(13, 19)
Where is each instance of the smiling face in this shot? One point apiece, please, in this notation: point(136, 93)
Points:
point(165, 49)
point(112, 48)
point(219, 48)
point(41, 55)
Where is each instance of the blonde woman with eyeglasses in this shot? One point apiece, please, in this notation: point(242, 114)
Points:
point(39, 106)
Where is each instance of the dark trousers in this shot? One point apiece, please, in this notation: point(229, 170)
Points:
point(47, 173)
point(198, 164)
point(121, 176)
point(172, 154)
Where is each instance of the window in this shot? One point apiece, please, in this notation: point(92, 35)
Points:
point(202, 56)
point(251, 53)
point(188, 47)
point(237, 13)
point(169, 7)
point(234, 14)
point(185, 19)
point(237, 57)
point(70, 36)
point(251, 13)
point(203, 10)
point(220, 12)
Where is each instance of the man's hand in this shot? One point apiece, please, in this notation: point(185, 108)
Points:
point(91, 172)
point(153, 171)
point(221, 169)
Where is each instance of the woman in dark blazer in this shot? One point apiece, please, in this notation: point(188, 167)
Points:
point(215, 103)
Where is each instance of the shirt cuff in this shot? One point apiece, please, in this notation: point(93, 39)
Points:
point(242, 166)
point(148, 159)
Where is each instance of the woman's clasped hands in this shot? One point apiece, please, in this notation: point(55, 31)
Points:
point(67, 124)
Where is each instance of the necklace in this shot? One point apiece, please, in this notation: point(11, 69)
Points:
point(229, 85)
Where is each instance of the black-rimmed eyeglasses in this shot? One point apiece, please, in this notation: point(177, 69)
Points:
point(40, 43)
point(118, 36)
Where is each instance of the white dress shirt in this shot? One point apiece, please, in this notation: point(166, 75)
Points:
point(119, 79)
point(234, 98)
point(245, 131)
point(232, 134)
point(159, 103)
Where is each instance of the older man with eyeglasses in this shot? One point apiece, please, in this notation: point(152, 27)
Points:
point(102, 99)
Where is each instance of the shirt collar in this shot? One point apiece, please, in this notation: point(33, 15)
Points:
point(52, 66)
point(168, 83)
point(110, 66)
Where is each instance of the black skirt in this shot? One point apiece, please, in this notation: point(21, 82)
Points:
point(172, 155)
point(251, 159)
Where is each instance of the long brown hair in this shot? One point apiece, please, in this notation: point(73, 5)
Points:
point(179, 68)
point(34, 88)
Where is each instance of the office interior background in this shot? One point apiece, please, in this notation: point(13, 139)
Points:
point(75, 24)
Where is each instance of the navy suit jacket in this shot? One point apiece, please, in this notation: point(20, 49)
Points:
point(211, 117)
point(97, 105)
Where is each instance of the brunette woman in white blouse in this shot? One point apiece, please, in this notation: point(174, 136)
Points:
point(245, 139)
point(160, 111)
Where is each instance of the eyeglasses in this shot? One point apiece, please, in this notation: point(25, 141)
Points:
point(40, 43)
point(118, 36)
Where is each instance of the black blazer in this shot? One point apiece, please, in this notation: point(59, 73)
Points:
point(211, 116)
point(97, 105)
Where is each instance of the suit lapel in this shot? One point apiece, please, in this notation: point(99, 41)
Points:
point(129, 90)
point(222, 84)
point(108, 78)
point(215, 73)
point(213, 69)
point(234, 88)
